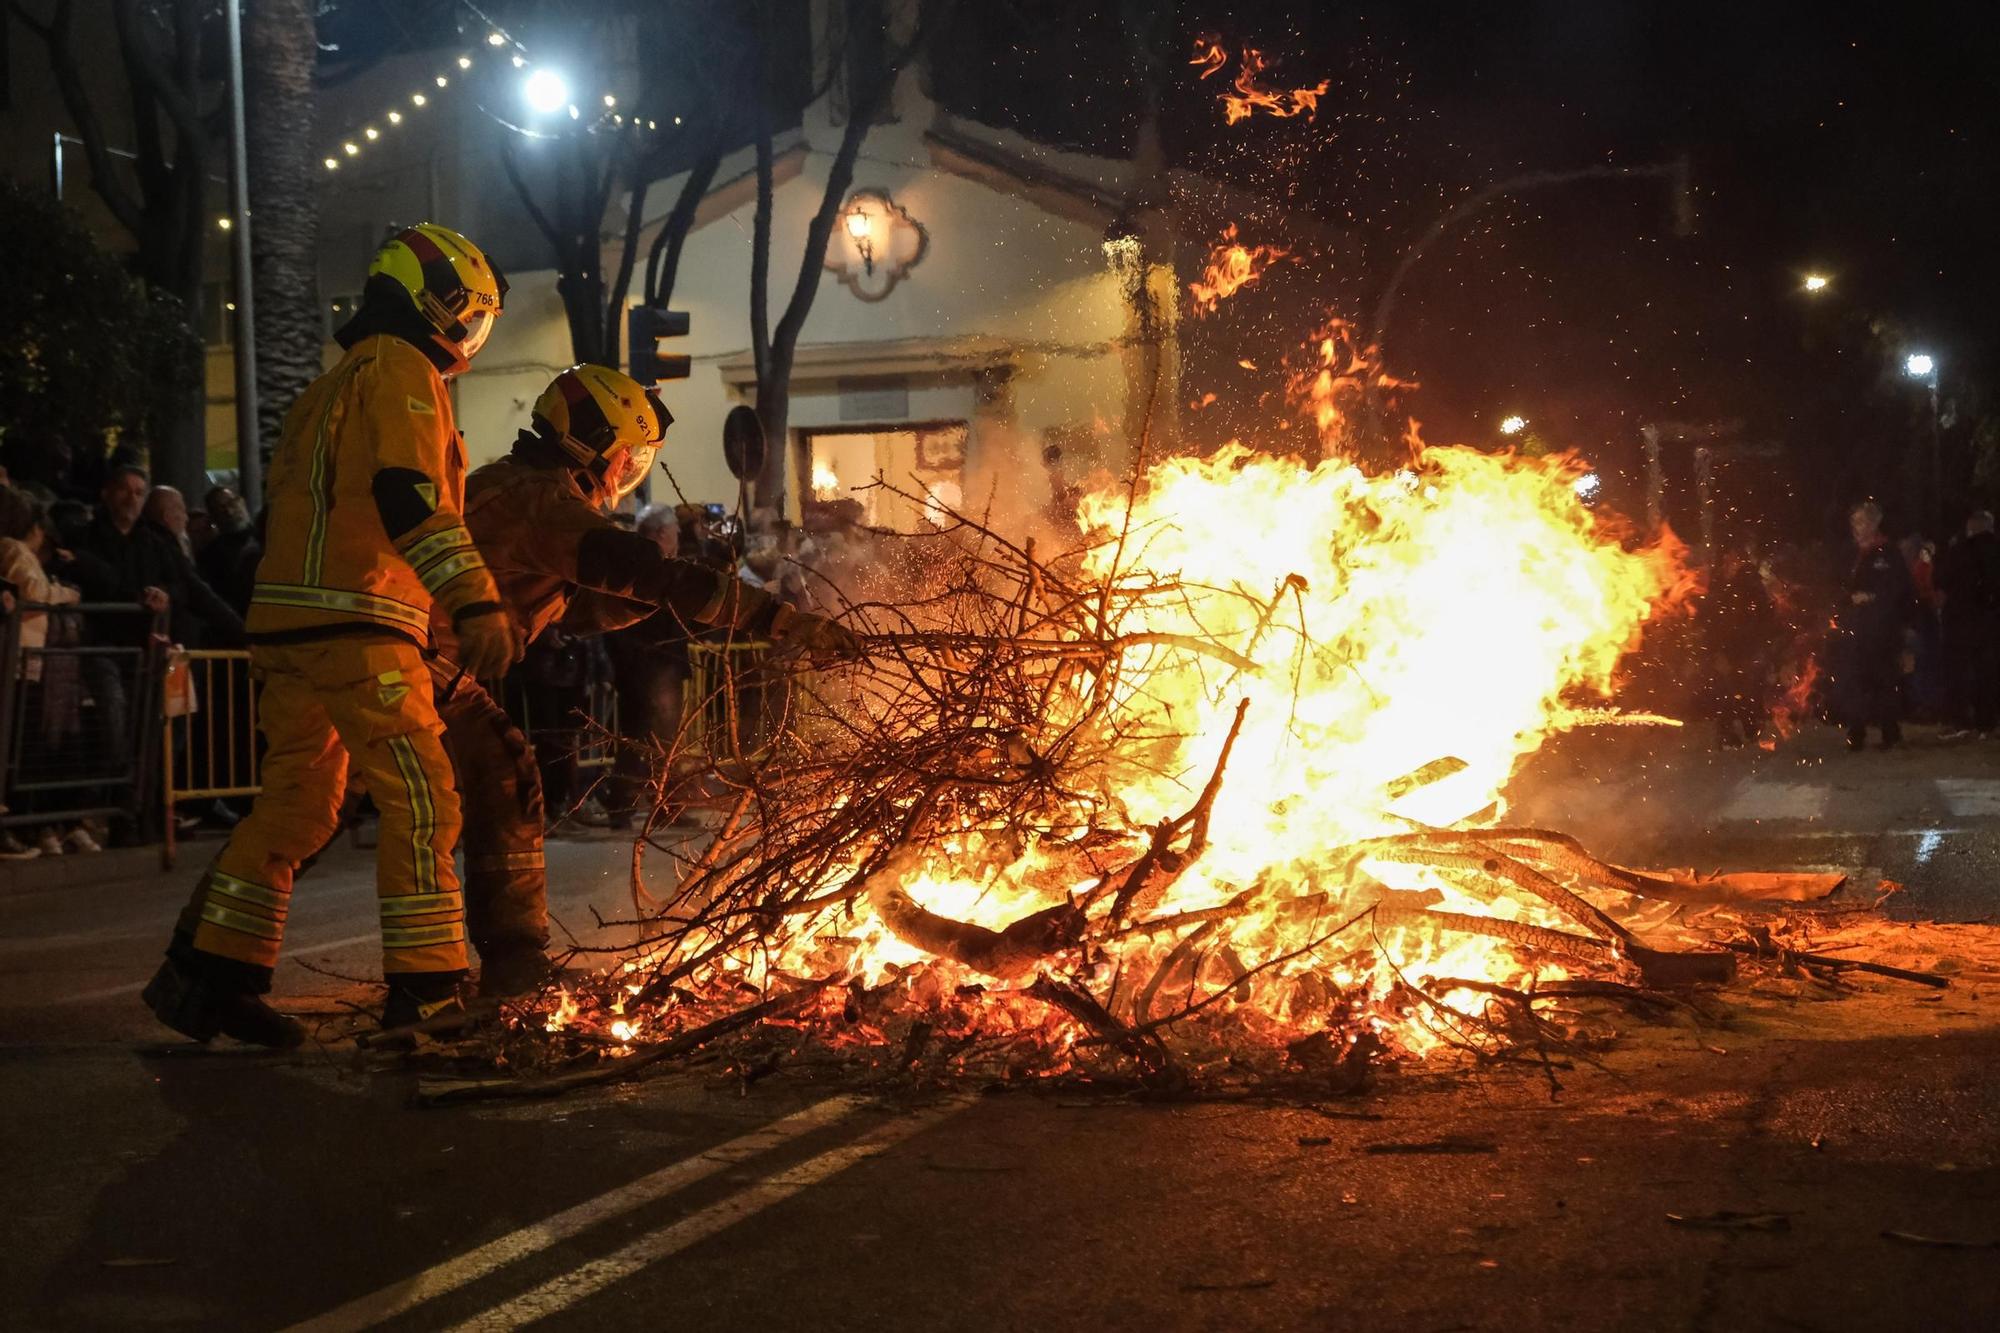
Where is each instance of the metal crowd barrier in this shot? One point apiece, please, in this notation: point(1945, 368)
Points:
point(595, 739)
point(732, 706)
point(206, 705)
point(208, 732)
point(76, 718)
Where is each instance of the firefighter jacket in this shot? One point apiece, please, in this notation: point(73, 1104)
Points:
point(548, 545)
point(364, 527)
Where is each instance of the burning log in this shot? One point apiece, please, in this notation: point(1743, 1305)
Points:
point(1001, 954)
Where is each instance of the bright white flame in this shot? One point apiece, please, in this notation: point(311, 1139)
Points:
point(1513, 425)
point(1587, 487)
point(1815, 282)
point(1919, 365)
point(546, 90)
point(857, 224)
point(826, 482)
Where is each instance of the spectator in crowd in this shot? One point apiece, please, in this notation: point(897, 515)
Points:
point(228, 563)
point(1968, 582)
point(1922, 682)
point(1879, 602)
point(120, 557)
point(48, 709)
point(133, 560)
point(166, 509)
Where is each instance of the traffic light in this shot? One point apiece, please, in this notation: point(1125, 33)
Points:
point(645, 325)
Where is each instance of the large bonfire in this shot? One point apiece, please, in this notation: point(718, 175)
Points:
point(1213, 787)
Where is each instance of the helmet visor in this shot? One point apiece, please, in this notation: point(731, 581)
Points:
point(478, 328)
point(627, 469)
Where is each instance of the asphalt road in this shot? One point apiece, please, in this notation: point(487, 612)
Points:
point(151, 1187)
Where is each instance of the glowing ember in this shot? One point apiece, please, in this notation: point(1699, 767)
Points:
point(1231, 266)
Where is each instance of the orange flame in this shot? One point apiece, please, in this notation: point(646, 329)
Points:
point(1231, 266)
point(1209, 55)
point(1337, 381)
point(1250, 96)
point(1794, 703)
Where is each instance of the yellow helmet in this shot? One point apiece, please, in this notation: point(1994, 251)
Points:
point(454, 286)
point(607, 423)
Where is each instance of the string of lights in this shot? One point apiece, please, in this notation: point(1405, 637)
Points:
point(543, 88)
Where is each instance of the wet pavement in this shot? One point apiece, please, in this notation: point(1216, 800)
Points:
point(149, 1187)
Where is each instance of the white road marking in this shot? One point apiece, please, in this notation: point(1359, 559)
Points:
point(1757, 800)
point(394, 1299)
point(1971, 798)
point(134, 987)
point(560, 1292)
point(1863, 835)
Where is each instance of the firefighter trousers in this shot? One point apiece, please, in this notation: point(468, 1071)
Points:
point(364, 700)
point(500, 791)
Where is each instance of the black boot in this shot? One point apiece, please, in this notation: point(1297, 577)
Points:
point(202, 1008)
point(417, 997)
point(508, 970)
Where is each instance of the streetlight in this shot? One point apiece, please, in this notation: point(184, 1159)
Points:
point(546, 91)
point(1513, 425)
point(1923, 366)
point(1816, 282)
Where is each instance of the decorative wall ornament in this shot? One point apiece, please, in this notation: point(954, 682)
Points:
point(876, 243)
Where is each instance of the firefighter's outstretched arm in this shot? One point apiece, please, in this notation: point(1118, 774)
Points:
point(624, 564)
point(412, 433)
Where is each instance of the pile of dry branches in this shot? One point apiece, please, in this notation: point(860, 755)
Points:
point(987, 737)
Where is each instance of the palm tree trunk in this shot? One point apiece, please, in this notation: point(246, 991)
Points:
point(279, 53)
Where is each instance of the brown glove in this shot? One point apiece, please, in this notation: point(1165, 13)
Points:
point(488, 644)
point(814, 636)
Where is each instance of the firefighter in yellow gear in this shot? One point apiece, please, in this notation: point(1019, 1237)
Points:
point(540, 519)
point(365, 546)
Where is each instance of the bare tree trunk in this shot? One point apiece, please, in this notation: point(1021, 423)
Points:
point(774, 353)
point(280, 51)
